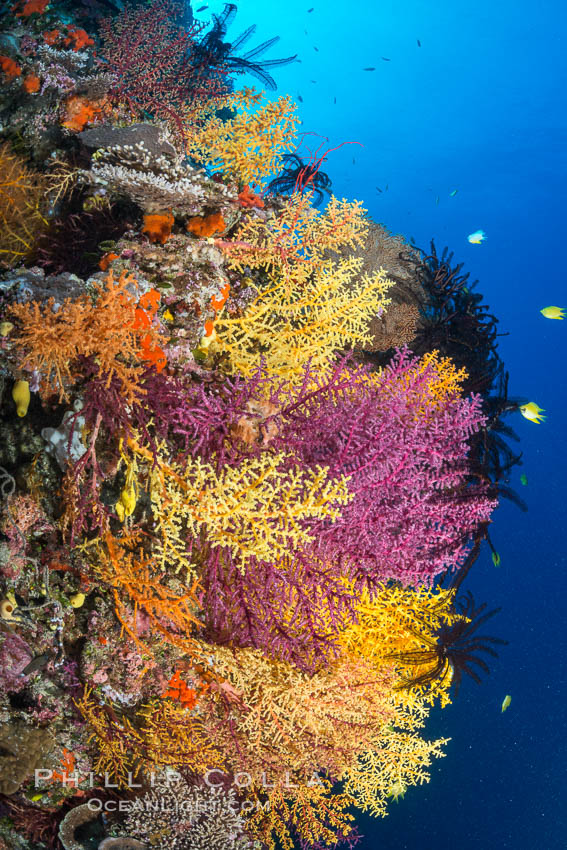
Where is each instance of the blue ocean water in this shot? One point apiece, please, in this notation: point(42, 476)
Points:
point(478, 106)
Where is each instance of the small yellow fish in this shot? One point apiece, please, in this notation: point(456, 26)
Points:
point(553, 312)
point(168, 315)
point(533, 412)
point(506, 702)
point(477, 237)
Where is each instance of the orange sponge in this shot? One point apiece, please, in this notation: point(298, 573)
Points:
point(157, 226)
point(206, 225)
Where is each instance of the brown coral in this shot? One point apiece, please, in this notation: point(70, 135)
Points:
point(73, 820)
point(250, 428)
point(396, 327)
point(26, 748)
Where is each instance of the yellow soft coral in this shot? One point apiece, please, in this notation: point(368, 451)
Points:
point(402, 621)
point(250, 145)
point(442, 381)
point(285, 329)
point(254, 510)
point(295, 243)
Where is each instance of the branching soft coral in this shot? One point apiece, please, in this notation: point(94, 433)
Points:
point(285, 327)
point(148, 54)
point(22, 198)
point(294, 244)
point(249, 146)
point(397, 761)
point(403, 439)
point(109, 329)
point(312, 814)
point(312, 305)
point(293, 607)
point(282, 719)
point(341, 722)
point(263, 508)
point(400, 619)
point(163, 734)
point(139, 588)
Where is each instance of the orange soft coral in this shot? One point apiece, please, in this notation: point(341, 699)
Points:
point(206, 225)
point(179, 691)
point(157, 226)
point(31, 83)
point(149, 301)
point(108, 330)
point(10, 67)
point(153, 354)
point(78, 38)
point(143, 319)
point(81, 111)
point(217, 303)
point(248, 198)
point(51, 37)
point(31, 7)
point(106, 260)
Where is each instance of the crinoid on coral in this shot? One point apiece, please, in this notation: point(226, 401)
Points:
point(455, 320)
point(455, 650)
point(296, 171)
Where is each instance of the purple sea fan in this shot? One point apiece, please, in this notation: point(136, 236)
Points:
point(199, 420)
point(293, 609)
point(415, 508)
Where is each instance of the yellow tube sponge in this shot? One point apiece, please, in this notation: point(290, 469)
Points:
point(21, 395)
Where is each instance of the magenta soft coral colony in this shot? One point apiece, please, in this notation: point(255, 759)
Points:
point(244, 472)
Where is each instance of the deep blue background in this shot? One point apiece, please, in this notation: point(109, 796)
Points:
point(479, 107)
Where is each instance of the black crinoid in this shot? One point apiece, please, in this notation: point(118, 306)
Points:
point(213, 54)
point(296, 174)
point(456, 650)
point(456, 322)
